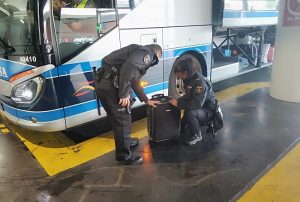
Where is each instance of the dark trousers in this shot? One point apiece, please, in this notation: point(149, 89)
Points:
point(120, 120)
point(195, 119)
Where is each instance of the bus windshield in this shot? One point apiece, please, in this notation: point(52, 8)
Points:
point(18, 25)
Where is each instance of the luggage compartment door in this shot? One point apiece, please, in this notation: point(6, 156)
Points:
point(154, 75)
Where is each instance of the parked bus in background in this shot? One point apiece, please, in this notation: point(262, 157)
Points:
point(48, 49)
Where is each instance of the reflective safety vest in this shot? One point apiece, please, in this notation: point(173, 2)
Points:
point(82, 4)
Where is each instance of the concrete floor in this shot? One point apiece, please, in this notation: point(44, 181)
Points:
point(258, 129)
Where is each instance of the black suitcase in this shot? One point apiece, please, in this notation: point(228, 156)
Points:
point(163, 120)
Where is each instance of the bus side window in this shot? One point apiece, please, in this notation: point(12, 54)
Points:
point(235, 5)
point(80, 22)
point(262, 5)
point(125, 6)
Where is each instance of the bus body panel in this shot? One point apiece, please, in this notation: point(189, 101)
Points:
point(9, 112)
point(179, 40)
point(5, 88)
point(145, 36)
point(79, 98)
point(9, 68)
point(97, 50)
point(77, 79)
point(175, 37)
point(158, 13)
point(247, 19)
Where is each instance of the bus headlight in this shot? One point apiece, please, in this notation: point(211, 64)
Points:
point(28, 91)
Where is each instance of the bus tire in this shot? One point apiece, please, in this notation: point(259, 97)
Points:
point(175, 87)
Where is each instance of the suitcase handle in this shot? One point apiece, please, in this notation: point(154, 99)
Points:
point(158, 96)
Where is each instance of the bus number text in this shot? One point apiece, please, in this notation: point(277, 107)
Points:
point(26, 59)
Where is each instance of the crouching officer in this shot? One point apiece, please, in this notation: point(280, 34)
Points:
point(121, 71)
point(197, 102)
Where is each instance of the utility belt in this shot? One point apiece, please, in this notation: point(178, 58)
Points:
point(106, 76)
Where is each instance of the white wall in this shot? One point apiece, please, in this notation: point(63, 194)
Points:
point(285, 82)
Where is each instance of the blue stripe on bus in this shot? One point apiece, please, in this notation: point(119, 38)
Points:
point(260, 14)
point(91, 105)
point(10, 110)
point(80, 108)
point(46, 116)
point(50, 74)
point(155, 88)
point(250, 14)
point(43, 116)
point(229, 14)
point(12, 68)
point(76, 68)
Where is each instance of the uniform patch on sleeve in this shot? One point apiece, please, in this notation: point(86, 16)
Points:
point(147, 59)
point(199, 89)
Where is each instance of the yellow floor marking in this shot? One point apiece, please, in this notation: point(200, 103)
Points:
point(56, 153)
point(280, 184)
point(3, 129)
point(239, 90)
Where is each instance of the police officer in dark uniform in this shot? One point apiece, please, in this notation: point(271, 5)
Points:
point(120, 73)
point(197, 102)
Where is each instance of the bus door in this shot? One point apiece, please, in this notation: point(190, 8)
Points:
point(138, 26)
point(86, 31)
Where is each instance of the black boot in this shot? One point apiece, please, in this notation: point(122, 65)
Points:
point(134, 160)
point(191, 140)
point(134, 142)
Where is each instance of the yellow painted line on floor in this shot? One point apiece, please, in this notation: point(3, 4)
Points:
point(56, 153)
point(3, 129)
point(280, 184)
point(239, 90)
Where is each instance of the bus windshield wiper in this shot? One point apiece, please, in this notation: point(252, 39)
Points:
point(8, 49)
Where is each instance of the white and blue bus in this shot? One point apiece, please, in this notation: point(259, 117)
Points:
point(48, 49)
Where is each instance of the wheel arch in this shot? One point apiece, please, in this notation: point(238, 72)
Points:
point(174, 87)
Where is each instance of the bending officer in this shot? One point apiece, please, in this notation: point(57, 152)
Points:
point(120, 73)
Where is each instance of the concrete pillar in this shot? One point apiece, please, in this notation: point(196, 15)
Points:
point(285, 83)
